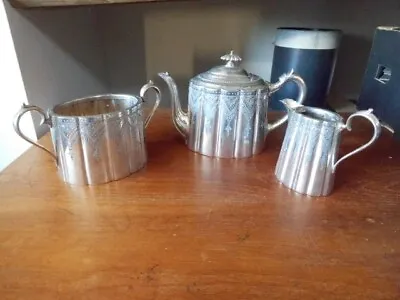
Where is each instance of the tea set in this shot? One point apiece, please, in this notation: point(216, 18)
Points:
point(100, 138)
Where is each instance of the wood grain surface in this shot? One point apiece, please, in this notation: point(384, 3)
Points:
point(192, 227)
point(62, 3)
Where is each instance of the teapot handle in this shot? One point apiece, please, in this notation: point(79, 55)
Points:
point(367, 114)
point(286, 77)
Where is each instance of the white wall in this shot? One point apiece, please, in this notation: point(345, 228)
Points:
point(60, 54)
point(12, 96)
point(117, 48)
point(185, 38)
point(124, 46)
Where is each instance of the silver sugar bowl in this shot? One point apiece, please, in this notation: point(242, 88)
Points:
point(96, 139)
point(227, 109)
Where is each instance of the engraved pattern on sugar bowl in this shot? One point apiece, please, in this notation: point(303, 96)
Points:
point(96, 139)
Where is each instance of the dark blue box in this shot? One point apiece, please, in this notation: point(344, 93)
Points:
point(381, 84)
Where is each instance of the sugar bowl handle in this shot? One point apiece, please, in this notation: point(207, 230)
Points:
point(143, 91)
point(44, 120)
point(291, 76)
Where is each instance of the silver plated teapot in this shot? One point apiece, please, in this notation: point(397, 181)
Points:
point(227, 109)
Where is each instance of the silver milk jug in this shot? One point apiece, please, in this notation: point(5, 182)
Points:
point(309, 155)
point(96, 139)
point(227, 109)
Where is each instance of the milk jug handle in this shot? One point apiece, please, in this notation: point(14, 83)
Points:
point(44, 120)
point(367, 114)
point(291, 76)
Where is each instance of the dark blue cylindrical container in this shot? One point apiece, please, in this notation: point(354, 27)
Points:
point(311, 53)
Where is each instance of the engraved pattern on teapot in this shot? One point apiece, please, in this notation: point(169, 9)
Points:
point(227, 102)
point(230, 107)
point(248, 106)
point(225, 117)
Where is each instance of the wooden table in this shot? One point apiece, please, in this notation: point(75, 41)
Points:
point(193, 227)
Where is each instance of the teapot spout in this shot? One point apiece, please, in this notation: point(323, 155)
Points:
point(292, 105)
point(179, 117)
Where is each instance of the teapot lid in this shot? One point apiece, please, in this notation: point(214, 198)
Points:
point(230, 76)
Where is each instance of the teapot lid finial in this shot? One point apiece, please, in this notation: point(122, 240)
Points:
point(229, 76)
point(231, 59)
